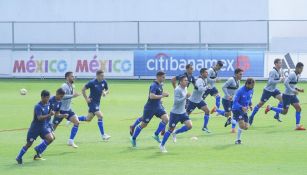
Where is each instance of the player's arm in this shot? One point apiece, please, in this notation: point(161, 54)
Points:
point(40, 117)
point(200, 86)
point(174, 82)
point(287, 83)
point(152, 93)
point(210, 80)
point(87, 99)
point(179, 97)
point(272, 78)
point(67, 95)
point(58, 115)
point(224, 87)
point(106, 90)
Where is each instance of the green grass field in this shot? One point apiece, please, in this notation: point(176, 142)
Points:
point(268, 147)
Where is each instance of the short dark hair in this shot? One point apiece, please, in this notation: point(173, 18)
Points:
point(182, 77)
point(238, 70)
point(60, 91)
point(299, 65)
point(45, 93)
point(68, 74)
point(202, 70)
point(250, 81)
point(188, 66)
point(277, 60)
point(220, 63)
point(160, 73)
point(98, 72)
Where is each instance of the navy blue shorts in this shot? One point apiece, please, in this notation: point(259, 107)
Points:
point(212, 92)
point(58, 120)
point(240, 115)
point(149, 113)
point(93, 107)
point(192, 106)
point(266, 95)
point(288, 100)
point(227, 104)
point(35, 131)
point(175, 118)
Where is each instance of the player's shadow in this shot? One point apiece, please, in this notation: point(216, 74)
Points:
point(225, 146)
point(60, 153)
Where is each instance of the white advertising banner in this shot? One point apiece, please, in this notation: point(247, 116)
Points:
point(289, 61)
point(83, 64)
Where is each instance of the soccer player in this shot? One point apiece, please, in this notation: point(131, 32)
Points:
point(39, 128)
point(196, 99)
point(189, 74)
point(242, 101)
point(270, 90)
point(66, 108)
point(229, 88)
point(212, 78)
point(98, 87)
point(153, 107)
point(178, 113)
point(289, 97)
point(55, 103)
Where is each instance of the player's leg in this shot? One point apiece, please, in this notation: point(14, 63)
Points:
point(56, 121)
point(147, 116)
point(164, 121)
point(243, 124)
point(48, 138)
point(172, 124)
point(31, 136)
point(206, 117)
point(264, 97)
point(104, 136)
point(136, 122)
point(298, 110)
point(280, 104)
point(215, 93)
point(74, 130)
point(286, 101)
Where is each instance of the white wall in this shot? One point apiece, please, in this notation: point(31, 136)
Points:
point(122, 10)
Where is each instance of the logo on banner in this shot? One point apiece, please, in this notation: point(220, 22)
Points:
point(165, 62)
point(108, 65)
point(39, 66)
point(287, 64)
point(243, 62)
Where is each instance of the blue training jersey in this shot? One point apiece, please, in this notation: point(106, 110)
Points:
point(157, 89)
point(96, 89)
point(243, 98)
point(54, 106)
point(191, 78)
point(40, 109)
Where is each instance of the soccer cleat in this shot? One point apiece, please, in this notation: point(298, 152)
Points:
point(267, 109)
point(174, 137)
point(277, 117)
point(213, 110)
point(206, 130)
point(38, 157)
point(105, 137)
point(156, 137)
point(163, 149)
point(233, 130)
point(228, 122)
point(19, 161)
point(131, 130)
point(72, 143)
point(133, 142)
point(300, 128)
point(238, 142)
